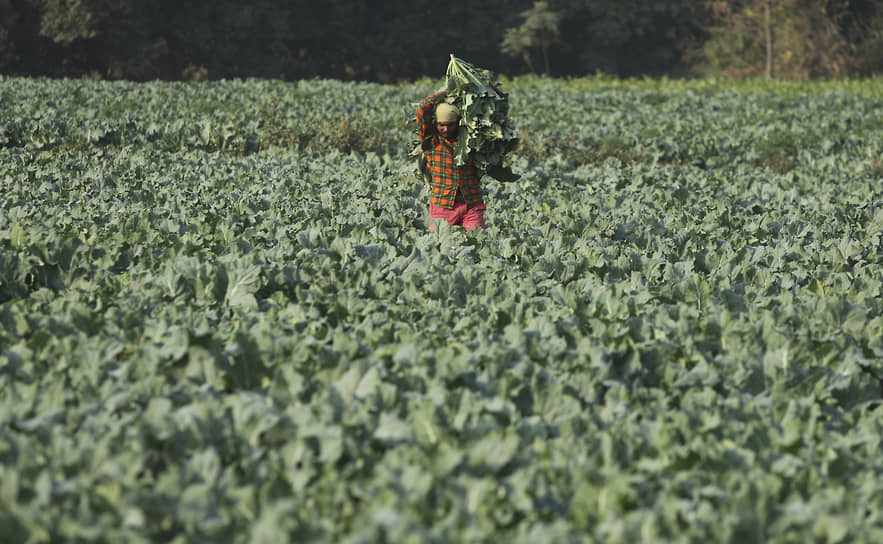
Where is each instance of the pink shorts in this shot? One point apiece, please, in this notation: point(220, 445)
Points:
point(469, 218)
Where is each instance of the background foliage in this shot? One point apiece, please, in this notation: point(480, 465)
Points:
point(812, 38)
point(404, 39)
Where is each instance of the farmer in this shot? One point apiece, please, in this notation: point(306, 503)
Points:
point(456, 193)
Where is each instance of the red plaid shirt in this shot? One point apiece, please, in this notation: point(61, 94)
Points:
point(447, 177)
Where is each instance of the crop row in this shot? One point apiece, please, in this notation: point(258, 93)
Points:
point(710, 127)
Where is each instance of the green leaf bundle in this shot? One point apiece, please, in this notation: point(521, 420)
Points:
point(487, 131)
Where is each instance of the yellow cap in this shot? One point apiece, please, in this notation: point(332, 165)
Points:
point(446, 113)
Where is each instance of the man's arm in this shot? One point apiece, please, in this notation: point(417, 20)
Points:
point(424, 115)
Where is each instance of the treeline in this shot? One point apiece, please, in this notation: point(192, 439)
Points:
point(391, 40)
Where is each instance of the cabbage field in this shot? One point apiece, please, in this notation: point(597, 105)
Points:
point(223, 317)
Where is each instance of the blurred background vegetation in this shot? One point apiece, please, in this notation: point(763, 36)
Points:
point(394, 40)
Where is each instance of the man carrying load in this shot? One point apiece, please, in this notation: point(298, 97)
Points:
point(456, 193)
point(463, 132)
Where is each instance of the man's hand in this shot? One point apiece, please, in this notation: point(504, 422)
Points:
point(504, 174)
